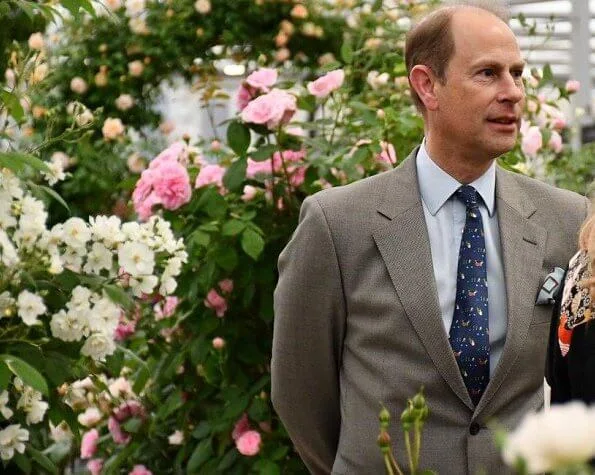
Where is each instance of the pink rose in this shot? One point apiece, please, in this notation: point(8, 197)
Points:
point(140, 470)
point(210, 175)
point(218, 343)
point(262, 79)
point(172, 185)
point(297, 176)
point(215, 302)
point(241, 426)
point(94, 466)
point(388, 154)
point(273, 109)
point(264, 168)
point(168, 308)
point(555, 142)
point(532, 141)
point(170, 154)
point(249, 443)
point(244, 96)
point(326, 84)
point(119, 436)
point(226, 285)
point(572, 85)
point(249, 193)
point(124, 330)
point(129, 409)
point(89, 444)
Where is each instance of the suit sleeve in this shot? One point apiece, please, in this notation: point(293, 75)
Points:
point(307, 340)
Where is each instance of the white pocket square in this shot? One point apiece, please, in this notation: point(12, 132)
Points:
point(550, 288)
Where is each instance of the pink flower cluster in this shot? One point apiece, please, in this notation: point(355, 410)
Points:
point(326, 84)
point(217, 302)
point(165, 182)
point(121, 414)
point(89, 444)
point(292, 159)
point(167, 309)
point(211, 175)
point(247, 441)
point(273, 109)
point(140, 470)
point(260, 81)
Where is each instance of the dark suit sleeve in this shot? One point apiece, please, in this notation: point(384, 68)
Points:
point(307, 340)
point(556, 367)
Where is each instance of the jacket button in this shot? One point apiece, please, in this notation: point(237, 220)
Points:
point(474, 428)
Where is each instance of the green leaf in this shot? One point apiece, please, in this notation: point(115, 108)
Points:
point(228, 460)
point(13, 105)
point(5, 376)
point(307, 103)
point(202, 430)
point(52, 194)
point(347, 51)
point(22, 462)
point(235, 175)
point(18, 161)
point(238, 137)
point(226, 258)
point(233, 227)
point(119, 296)
point(199, 238)
point(263, 153)
point(172, 404)
point(132, 425)
point(29, 375)
point(42, 460)
point(548, 75)
point(200, 455)
point(252, 243)
point(267, 467)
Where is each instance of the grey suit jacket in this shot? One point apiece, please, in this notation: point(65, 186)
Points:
point(358, 323)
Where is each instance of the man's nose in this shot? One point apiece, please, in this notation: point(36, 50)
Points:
point(512, 89)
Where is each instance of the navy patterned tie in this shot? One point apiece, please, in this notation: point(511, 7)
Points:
point(469, 335)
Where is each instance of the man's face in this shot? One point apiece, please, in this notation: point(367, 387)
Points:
point(480, 104)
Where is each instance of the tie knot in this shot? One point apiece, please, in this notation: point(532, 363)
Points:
point(468, 196)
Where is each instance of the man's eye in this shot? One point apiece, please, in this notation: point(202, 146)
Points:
point(487, 73)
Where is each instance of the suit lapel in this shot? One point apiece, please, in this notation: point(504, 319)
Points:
point(523, 247)
point(405, 248)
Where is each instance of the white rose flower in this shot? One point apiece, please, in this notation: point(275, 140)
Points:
point(69, 326)
point(135, 7)
point(56, 264)
point(11, 184)
point(136, 259)
point(30, 306)
point(202, 6)
point(113, 5)
point(138, 26)
point(4, 410)
point(36, 41)
point(112, 128)
point(80, 299)
point(124, 102)
point(8, 253)
point(98, 346)
point(39, 73)
point(83, 118)
point(76, 233)
point(11, 439)
point(136, 68)
point(120, 388)
point(143, 285)
point(376, 80)
point(107, 229)
point(90, 417)
point(55, 174)
point(7, 220)
point(104, 317)
point(131, 230)
point(177, 438)
point(78, 85)
point(72, 259)
point(538, 441)
point(61, 433)
point(168, 285)
point(100, 257)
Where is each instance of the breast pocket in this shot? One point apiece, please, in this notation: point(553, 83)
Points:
point(542, 314)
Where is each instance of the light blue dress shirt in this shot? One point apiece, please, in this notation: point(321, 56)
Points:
point(445, 220)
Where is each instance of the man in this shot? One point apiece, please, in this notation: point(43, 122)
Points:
point(402, 280)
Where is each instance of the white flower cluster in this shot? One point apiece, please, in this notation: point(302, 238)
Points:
point(143, 257)
point(13, 437)
point(88, 315)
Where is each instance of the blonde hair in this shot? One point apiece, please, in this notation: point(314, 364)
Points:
point(586, 242)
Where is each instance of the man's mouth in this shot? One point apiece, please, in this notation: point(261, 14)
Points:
point(506, 120)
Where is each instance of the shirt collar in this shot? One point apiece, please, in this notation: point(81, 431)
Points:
point(436, 186)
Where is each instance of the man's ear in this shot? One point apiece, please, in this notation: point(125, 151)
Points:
point(423, 81)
